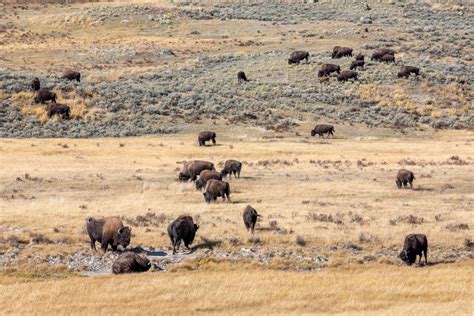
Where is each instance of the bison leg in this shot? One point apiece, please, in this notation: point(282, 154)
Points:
point(411, 185)
point(213, 140)
point(114, 248)
point(426, 256)
point(93, 244)
point(103, 245)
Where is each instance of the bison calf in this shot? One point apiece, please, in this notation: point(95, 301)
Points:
point(205, 176)
point(183, 228)
point(407, 70)
point(346, 75)
point(360, 57)
point(35, 84)
point(327, 69)
point(44, 95)
point(71, 75)
point(241, 77)
point(232, 167)
point(60, 109)
point(130, 262)
point(250, 218)
point(404, 177)
point(109, 230)
point(414, 245)
point(216, 188)
point(322, 129)
point(297, 56)
point(357, 63)
point(192, 169)
point(206, 136)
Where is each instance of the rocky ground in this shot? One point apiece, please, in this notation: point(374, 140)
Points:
point(190, 88)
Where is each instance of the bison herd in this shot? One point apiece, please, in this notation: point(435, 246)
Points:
point(111, 231)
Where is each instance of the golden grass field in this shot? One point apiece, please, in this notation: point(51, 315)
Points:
point(50, 186)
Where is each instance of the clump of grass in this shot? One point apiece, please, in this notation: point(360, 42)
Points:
point(410, 219)
point(456, 227)
point(300, 241)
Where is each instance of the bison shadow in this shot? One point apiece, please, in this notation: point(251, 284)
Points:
point(423, 189)
point(206, 244)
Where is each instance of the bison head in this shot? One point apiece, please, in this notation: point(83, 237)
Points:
point(313, 132)
point(208, 197)
point(407, 256)
point(123, 236)
point(183, 177)
point(320, 73)
point(196, 227)
point(200, 184)
point(399, 184)
point(224, 172)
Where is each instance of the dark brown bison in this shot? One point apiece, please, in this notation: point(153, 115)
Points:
point(322, 129)
point(44, 95)
point(109, 230)
point(183, 228)
point(327, 69)
point(387, 58)
point(357, 63)
point(60, 109)
point(206, 136)
point(250, 218)
point(339, 52)
point(232, 167)
point(216, 188)
point(205, 176)
point(35, 84)
point(360, 57)
point(71, 75)
point(241, 77)
point(415, 245)
point(403, 177)
point(191, 169)
point(346, 75)
point(297, 56)
point(379, 53)
point(130, 262)
point(407, 70)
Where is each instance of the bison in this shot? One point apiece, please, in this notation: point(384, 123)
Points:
point(216, 188)
point(414, 245)
point(205, 176)
point(250, 218)
point(346, 75)
point(71, 75)
point(241, 77)
point(192, 169)
point(327, 69)
point(206, 136)
point(60, 109)
point(387, 58)
point(35, 84)
point(183, 228)
point(379, 53)
point(403, 177)
point(109, 230)
point(407, 70)
point(339, 52)
point(360, 57)
point(357, 63)
point(322, 129)
point(44, 95)
point(297, 56)
point(232, 167)
point(129, 262)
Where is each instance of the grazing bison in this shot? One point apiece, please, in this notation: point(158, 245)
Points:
point(403, 177)
point(346, 75)
point(35, 84)
point(71, 75)
point(192, 169)
point(60, 109)
point(129, 262)
point(250, 218)
point(297, 56)
point(241, 77)
point(379, 53)
point(44, 95)
point(232, 167)
point(339, 52)
point(357, 63)
point(205, 176)
point(415, 245)
point(206, 136)
point(216, 188)
point(322, 129)
point(182, 228)
point(327, 69)
point(387, 58)
point(109, 230)
point(359, 57)
point(407, 70)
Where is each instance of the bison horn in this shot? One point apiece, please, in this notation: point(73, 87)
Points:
point(120, 230)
